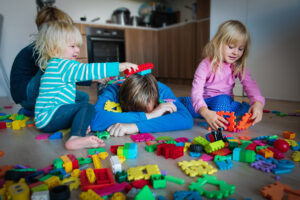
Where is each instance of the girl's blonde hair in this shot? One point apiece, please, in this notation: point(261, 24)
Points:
point(229, 32)
point(52, 40)
point(137, 92)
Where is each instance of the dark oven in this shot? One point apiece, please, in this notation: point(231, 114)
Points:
point(105, 45)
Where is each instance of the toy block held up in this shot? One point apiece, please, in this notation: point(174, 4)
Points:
point(142, 67)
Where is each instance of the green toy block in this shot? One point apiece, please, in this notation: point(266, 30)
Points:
point(20, 117)
point(145, 194)
point(174, 179)
point(82, 161)
point(104, 135)
point(121, 176)
point(25, 170)
point(247, 156)
point(214, 146)
point(261, 147)
point(58, 163)
point(201, 140)
point(164, 138)
point(126, 150)
point(158, 181)
point(96, 150)
point(4, 117)
point(45, 177)
point(151, 148)
point(232, 145)
point(41, 187)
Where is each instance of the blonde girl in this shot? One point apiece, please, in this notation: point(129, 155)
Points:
point(225, 60)
point(58, 106)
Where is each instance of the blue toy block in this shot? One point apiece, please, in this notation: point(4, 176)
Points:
point(296, 148)
point(56, 136)
point(224, 164)
point(281, 170)
point(187, 195)
point(287, 164)
point(195, 154)
point(161, 198)
point(28, 113)
point(236, 154)
point(132, 150)
point(180, 144)
point(148, 71)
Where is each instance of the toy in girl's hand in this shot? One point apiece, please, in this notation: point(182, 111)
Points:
point(116, 79)
point(142, 69)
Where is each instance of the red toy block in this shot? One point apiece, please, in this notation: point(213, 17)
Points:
point(75, 163)
point(252, 146)
point(170, 151)
point(182, 139)
point(222, 152)
point(139, 184)
point(2, 125)
point(104, 178)
point(42, 136)
point(118, 187)
point(141, 67)
point(114, 148)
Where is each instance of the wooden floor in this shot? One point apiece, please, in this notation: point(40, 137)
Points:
point(20, 147)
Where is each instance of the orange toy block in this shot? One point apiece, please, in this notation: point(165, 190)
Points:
point(266, 153)
point(289, 135)
point(276, 192)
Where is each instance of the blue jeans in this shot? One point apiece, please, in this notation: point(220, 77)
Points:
point(217, 103)
point(32, 92)
point(77, 116)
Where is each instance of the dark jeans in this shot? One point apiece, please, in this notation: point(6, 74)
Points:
point(77, 116)
point(32, 91)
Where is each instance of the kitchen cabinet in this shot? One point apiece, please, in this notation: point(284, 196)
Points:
point(83, 56)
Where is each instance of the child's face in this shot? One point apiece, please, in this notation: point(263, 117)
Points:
point(72, 51)
point(233, 52)
point(150, 106)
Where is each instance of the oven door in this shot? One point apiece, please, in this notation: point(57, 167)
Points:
point(105, 49)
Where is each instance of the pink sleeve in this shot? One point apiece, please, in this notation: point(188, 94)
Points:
point(198, 85)
point(251, 88)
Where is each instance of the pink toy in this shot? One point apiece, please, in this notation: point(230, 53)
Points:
point(281, 145)
point(42, 136)
point(142, 137)
point(182, 139)
point(206, 157)
point(111, 189)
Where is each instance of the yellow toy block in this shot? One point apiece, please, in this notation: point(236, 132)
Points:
point(3, 193)
point(138, 173)
point(200, 140)
point(112, 106)
point(90, 174)
point(118, 196)
point(90, 195)
point(120, 151)
point(75, 173)
point(296, 156)
point(103, 155)
point(96, 161)
point(196, 168)
point(73, 182)
point(292, 143)
point(16, 125)
point(13, 116)
point(186, 146)
point(67, 163)
point(8, 124)
point(19, 191)
point(22, 123)
point(122, 159)
point(289, 135)
point(52, 182)
point(266, 153)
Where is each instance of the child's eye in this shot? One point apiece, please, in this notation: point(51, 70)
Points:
point(241, 49)
point(230, 46)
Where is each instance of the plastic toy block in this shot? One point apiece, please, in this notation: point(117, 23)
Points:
point(104, 178)
point(263, 166)
point(247, 156)
point(182, 195)
point(224, 189)
point(42, 136)
point(72, 182)
point(90, 194)
point(120, 151)
point(39, 187)
point(96, 161)
point(285, 164)
point(148, 71)
point(273, 191)
point(224, 164)
point(141, 68)
point(182, 139)
point(4, 169)
point(122, 159)
point(169, 151)
point(230, 118)
point(56, 136)
point(114, 148)
point(112, 106)
point(251, 146)
point(82, 161)
point(214, 146)
point(164, 138)
point(186, 146)
point(118, 196)
point(16, 125)
point(139, 184)
point(236, 154)
point(67, 163)
point(206, 157)
point(296, 156)
point(200, 140)
point(104, 135)
point(142, 172)
point(41, 195)
point(2, 153)
point(95, 151)
point(75, 163)
point(52, 182)
point(19, 191)
point(194, 154)
point(145, 193)
point(90, 175)
point(196, 168)
point(103, 155)
point(266, 153)
point(75, 173)
point(3, 117)
point(2, 125)
point(142, 137)
point(158, 181)
point(115, 164)
point(245, 122)
point(222, 152)
point(289, 135)
point(196, 148)
point(174, 179)
point(105, 191)
point(151, 148)
point(292, 143)
point(58, 172)
point(180, 144)
point(161, 198)
point(121, 176)
point(297, 147)
point(132, 150)
point(244, 137)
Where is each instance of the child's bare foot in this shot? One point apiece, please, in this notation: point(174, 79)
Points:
point(88, 130)
point(76, 142)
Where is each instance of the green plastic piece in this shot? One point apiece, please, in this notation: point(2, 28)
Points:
point(174, 179)
point(222, 158)
point(83, 161)
point(41, 187)
point(20, 117)
point(224, 189)
point(93, 151)
point(247, 156)
point(165, 138)
point(151, 148)
point(58, 163)
point(5, 117)
point(261, 147)
point(158, 181)
point(126, 150)
point(273, 137)
point(45, 177)
point(200, 140)
point(121, 176)
point(104, 135)
point(233, 145)
point(282, 114)
point(145, 194)
point(25, 170)
point(170, 142)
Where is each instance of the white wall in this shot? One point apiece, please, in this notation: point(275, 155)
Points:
point(274, 26)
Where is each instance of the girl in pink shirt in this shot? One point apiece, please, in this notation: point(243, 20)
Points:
point(215, 77)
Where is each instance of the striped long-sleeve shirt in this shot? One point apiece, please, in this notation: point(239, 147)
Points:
point(58, 84)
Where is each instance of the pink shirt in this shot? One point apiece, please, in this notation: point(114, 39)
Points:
point(208, 84)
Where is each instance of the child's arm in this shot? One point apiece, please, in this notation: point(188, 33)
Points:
point(257, 112)
point(212, 118)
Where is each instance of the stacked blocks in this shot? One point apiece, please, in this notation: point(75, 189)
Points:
point(245, 122)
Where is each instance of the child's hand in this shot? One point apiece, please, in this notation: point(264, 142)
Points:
point(127, 65)
point(257, 112)
point(161, 109)
point(212, 118)
point(121, 129)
